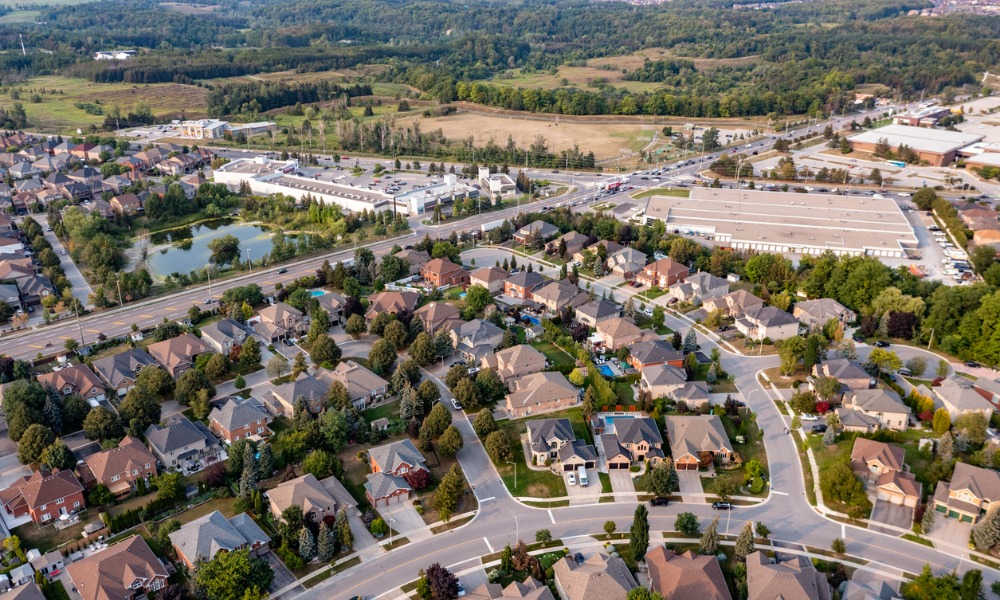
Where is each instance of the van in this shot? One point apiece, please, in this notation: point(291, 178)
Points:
point(581, 476)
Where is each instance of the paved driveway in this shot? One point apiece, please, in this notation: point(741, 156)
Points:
point(950, 531)
point(891, 514)
point(621, 481)
point(579, 494)
point(690, 482)
point(282, 576)
point(405, 519)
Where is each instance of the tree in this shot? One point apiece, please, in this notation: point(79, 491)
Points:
point(249, 354)
point(58, 456)
point(726, 487)
point(422, 349)
point(838, 546)
point(343, 527)
point(986, 531)
point(437, 421)
point(543, 535)
point(397, 334)
point(641, 593)
point(102, 424)
point(319, 463)
point(477, 297)
point(484, 424)
point(498, 447)
point(216, 367)
point(307, 545)
point(319, 326)
point(589, 402)
point(449, 492)
point(225, 250)
point(382, 358)
point(277, 366)
point(839, 483)
point(33, 443)
point(443, 584)
point(971, 587)
point(189, 384)
point(299, 366)
point(230, 575)
point(710, 539)
point(356, 326)
point(240, 382)
point(790, 351)
point(942, 368)
point(941, 421)
point(826, 387)
point(467, 394)
point(690, 341)
point(326, 546)
point(450, 442)
point(639, 532)
point(885, 360)
point(155, 380)
point(609, 527)
point(686, 523)
point(662, 480)
point(325, 350)
point(928, 587)
point(744, 542)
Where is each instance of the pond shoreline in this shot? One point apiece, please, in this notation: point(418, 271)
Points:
point(196, 243)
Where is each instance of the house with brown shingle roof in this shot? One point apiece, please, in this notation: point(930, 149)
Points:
point(122, 572)
point(391, 302)
point(871, 459)
point(441, 272)
point(697, 438)
point(238, 419)
point(574, 240)
point(686, 576)
point(279, 321)
point(663, 273)
point(76, 379)
point(491, 278)
point(45, 496)
point(733, 304)
point(363, 386)
point(178, 354)
point(971, 492)
point(119, 468)
point(540, 393)
point(306, 492)
point(126, 204)
point(792, 579)
point(516, 361)
point(556, 295)
point(414, 258)
point(599, 576)
point(617, 332)
point(437, 315)
point(530, 589)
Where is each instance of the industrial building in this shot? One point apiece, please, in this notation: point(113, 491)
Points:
point(788, 222)
point(267, 177)
point(209, 129)
point(936, 146)
point(925, 117)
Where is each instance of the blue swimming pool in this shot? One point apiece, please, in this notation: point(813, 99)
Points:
point(609, 420)
point(530, 319)
point(605, 370)
point(317, 293)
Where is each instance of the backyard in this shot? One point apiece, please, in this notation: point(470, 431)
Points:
point(560, 360)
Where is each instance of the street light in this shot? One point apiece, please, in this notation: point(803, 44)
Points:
point(390, 530)
point(118, 279)
point(249, 260)
point(515, 472)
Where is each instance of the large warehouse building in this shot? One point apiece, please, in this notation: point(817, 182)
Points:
point(788, 222)
point(937, 146)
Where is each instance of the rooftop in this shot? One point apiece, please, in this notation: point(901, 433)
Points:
point(921, 139)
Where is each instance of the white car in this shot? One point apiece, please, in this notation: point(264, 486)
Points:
point(808, 417)
point(456, 404)
point(903, 194)
point(571, 479)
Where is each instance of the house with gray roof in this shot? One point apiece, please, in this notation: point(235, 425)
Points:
point(306, 492)
point(882, 404)
point(988, 389)
point(536, 229)
point(598, 576)
point(649, 353)
point(179, 443)
point(559, 294)
point(396, 458)
point(224, 335)
point(386, 488)
point(206, 536)
point(521, 285)
point(363, 386)
point(238, 419)
point(476, 339)
point(767, 322)
point(971, 492)
point(958, 397)
point(794, 578)
point(281, 400)
point(816, 313)
point(848, 372)
point(547, 436)
point(699, 287)
point(574, 240)
point(628, 441)
point(121, 370)
point(695, 439)
point(595, 311)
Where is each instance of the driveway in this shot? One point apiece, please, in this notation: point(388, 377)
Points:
point(404, 520)
point(362, 537)
point(621, 481)
point(690, 483)
point(282, 576)
point(950, 531)
point(891, 514)
point(579, 494)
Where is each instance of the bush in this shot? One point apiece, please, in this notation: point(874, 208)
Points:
point(838, 546)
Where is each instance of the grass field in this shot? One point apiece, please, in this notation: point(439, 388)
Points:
point(22, 15)
point(605, 140)
point(662, 192)
point(57, 113)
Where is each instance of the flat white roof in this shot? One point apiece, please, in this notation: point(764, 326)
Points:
point(840, 223)
point(921, 139)
point(986, 159)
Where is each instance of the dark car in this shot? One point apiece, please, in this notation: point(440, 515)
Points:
point(819, 428)
point(578, 557)
point(857, 337)
point(881, 344)
point(724, 328)
point(972, 364)
point(288, 342)
point(659, 501)
point(282, 271)
point(722, 506)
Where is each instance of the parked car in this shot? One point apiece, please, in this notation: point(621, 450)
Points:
point(857, 337)
point(971, 364)
point(808, 417)
point(881, 344)
point(288, 342)
point(724, 328)
point(659, 501)
point(456, 404)
point(578, 557)
point(571, 479)
point(722, 506)
point(819, 428)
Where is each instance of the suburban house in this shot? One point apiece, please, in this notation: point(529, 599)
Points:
point(899, 487)
point(639, 437)
point(661, 380)
point(238, 419)
point(697, 288)
point(599, 576)
point(609, 249)
point(281, 321)
point(988, 389)
point(595, 311)
point(180, 443)
point(121, 370)
point(178, 354)
point(520, 285)
point(559, 294)
point(540, 393)
point(363, 386)
point(652, 353)
point(442, 272)
point(697, 440)
point(206, 536)
point(29, 590)
point(662, 273)
point(536, 230)
point(391, 302)
point(848, 372)
point(414, 258)
point(626, 263)
point(476, 339)
point(959, 398)
point(126, 204)
point(554, 440)
point(767, 322)
point(44, 496)
point(686, 576)
point(971, 492)
point(882, 406)
point(530, 589)
point(817, 313)
point(436, 315)
point(305, 492)
point(871, 459)
point(574, 242)
point(385, 488)
point(516, 361)
point(281, 400)
point(794, 577)
point(76, 379)
point(119, 468)
point(224, 335)
point(615, 333)
point(491, 278)
point(125, 571)
point(334, 304)
point(396, 458)
point(732, 304)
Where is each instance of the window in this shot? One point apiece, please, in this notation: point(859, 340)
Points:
point(236, 438)
point(135, 471)
point(60, 501)
point(43, 507)
point(46, 517)
point(76, 504)
point(147, 465)
point(115, 477)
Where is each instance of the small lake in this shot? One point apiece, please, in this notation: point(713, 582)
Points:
point(190, 245)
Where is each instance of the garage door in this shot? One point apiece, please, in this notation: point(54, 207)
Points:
point(568, 468)
point(617, 466)
point(591, 464)
point(952, 514)
point(687, 467)
point(966, 518)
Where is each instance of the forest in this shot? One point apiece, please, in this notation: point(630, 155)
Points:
point(797, 57)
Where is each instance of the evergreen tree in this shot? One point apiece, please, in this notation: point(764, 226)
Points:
point(744, 542)
point(299, 365)
point(639, 542)
point(265, 464)
point(344, 529)
point(326, 546)
point(307, 545)
point(690, 341)
point(710, 539)
point(630, 309)
point(986, 532)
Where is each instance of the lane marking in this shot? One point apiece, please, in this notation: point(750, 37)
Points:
point(843, 531)
point(488, 544)
point(118, 322)
point(94, 330)
point(481, 500)
point(146, 316)
point(779, 493)
point(551, 517)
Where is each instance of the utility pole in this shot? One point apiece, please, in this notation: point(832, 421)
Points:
point(118, 280)
point(249, 261)
point(78, 326)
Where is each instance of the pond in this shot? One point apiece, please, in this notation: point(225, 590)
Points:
point(190, 245)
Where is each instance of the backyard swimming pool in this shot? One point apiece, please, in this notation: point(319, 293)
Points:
point(317, 293)
point(609, 421)
point(530, 319)
point(605, 370)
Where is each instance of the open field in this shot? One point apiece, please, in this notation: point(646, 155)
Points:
point(604, 140)
point(292, 76)
point(57, 113)
point(21, 15)
point(189, 9)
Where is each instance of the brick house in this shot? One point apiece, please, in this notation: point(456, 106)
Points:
point(119, 468)
point(45, 496)
point(238, 419)
point(441, 272)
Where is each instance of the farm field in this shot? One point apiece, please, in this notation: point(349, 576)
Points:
point(605, 140)
point(56, 112)
point(29, 15)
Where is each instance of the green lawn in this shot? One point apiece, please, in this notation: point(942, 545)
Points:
point(556, 355)
point(223, 505)
point(626, 394)
point(538, 484)
point(389, 411)
point(662, 192)
point(55, 591)
point(48, 538)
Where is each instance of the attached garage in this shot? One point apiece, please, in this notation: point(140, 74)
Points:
point(899, 488)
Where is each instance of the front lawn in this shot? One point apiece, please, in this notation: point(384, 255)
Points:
point(527, 482)
point(780, 381)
